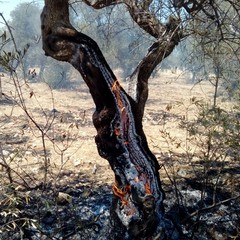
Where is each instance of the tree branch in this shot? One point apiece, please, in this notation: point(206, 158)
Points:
point(139, 12)
point(168, 36)
point(214, 205)
point(138, 81)
point(145, 18)
point(98, 4)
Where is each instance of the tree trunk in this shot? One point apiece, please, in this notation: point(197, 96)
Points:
point(137, 209)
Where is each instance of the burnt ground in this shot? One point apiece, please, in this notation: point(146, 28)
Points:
point(67, 195)
point(74, 212)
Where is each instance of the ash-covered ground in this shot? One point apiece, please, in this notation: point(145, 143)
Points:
point(70, 212)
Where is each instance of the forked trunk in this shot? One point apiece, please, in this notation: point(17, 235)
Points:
point(137, 210)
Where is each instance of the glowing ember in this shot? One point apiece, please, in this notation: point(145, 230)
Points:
point(116, 85)
point(122, 194)
point(147, 188)
point(116, 90)
point(143, 177)
point(117, 131)
point(122, 109)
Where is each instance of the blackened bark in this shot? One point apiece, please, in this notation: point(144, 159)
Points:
point(138, 198)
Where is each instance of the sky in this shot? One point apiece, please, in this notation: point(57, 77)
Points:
point(6, 6)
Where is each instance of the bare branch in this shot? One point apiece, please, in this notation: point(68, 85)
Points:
point(214, 205)
point(138, 81)
point(139, 12)
point(98, 4)
point(191, 6)
point(145, 18)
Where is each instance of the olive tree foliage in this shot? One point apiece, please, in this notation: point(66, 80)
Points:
point(25, 30)
point(25, 41)
point(214, 46)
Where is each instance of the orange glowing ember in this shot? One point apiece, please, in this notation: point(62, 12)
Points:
point(116, 90)
point(117, 131)
point(121, 194)
point(116, 85)
point(147, 188)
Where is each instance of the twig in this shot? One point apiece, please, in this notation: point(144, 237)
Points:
point(210, 207)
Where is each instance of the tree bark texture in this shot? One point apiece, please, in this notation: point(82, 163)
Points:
point(137, 208)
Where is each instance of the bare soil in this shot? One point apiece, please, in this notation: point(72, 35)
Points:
point(66, 118)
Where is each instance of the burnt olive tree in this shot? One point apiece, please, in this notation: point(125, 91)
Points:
point(137, 209)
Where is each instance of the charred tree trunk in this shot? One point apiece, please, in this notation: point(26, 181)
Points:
point(137, 209)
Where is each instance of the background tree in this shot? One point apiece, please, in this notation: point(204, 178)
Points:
point(120, 40)
point(214, 54)
point(97, 24)
point(25, 24)
point(138, 197)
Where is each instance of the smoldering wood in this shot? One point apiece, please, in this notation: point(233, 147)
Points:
point(137, 208)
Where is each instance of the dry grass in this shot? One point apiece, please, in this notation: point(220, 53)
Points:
point(70, 139)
